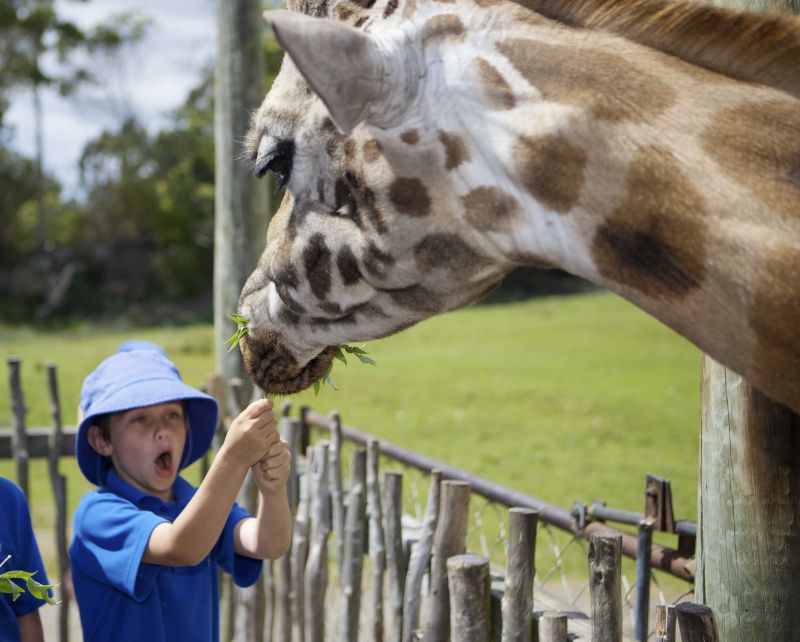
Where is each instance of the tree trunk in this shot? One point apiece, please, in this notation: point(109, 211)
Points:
point(241, 205)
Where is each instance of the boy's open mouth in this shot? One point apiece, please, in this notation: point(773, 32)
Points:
point(164, 463)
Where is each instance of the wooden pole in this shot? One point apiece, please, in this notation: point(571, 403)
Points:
point(552, 627)
point(290, 431)
point(697, 624)
point(448, 540)
point(337, 492)
point(299, 550)
point(748, 510)
point(19, 438)
point(420, 556)
point(241, 203)
point(605, 586)
point(468, 578)
point(354, 547)
point(59, 483)
point(395, 560)
point(665, 623)
point(517, 603)
point(316, 579)
point(377, 546)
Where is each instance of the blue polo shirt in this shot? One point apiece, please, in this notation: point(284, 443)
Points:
point(18, 541)
point(122, 598)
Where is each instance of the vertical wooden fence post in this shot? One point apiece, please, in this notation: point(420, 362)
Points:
point(59, 483)
point(697, 624)
point(552, 627)
point(665, 623)
point(395, 560)
point(468, 578)
point(316, 578)
point(290, 431)
point(19, 438)
point(448, 540)
point(420, 556)
point(299, 550)
point(354, 547)
point(605, 585)
point(377, 547)
point(644, 545)
point(337, 492)
point(517, 603)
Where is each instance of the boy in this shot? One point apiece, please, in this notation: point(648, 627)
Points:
point(19, 619)
point(146, 543)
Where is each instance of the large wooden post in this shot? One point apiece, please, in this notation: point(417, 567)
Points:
point(241, 203)
point(748, 510)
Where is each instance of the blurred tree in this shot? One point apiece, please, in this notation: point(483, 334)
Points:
point(31, 29)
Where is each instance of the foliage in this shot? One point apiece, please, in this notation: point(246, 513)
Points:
point(8, 585)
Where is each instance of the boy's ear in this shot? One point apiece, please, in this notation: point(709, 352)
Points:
point(97, 442)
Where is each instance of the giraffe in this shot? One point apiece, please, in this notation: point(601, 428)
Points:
point(428, 147)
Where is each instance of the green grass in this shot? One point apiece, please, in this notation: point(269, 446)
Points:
point(562, 398)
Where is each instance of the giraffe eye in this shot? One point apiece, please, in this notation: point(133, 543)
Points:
point(275, 155)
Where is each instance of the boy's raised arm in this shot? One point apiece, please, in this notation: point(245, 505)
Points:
point(188, 540)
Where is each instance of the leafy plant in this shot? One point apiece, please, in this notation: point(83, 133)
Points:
point(361, 354)
point(7, 585)
point(241, 330)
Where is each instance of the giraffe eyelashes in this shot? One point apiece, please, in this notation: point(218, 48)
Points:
point(275, 155)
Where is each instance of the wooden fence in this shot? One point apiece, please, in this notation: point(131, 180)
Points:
point(418, 584)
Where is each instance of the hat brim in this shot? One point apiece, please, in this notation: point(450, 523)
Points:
point(201, 421)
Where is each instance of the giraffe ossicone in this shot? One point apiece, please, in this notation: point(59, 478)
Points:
point(430, 146)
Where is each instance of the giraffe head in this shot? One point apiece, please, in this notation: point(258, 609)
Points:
point(362, 245)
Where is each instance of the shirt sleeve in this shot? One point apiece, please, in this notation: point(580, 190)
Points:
point(27, 557)
point(110, 537)
point(244, 570)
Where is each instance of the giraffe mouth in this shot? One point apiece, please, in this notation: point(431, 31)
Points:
point(275, 370)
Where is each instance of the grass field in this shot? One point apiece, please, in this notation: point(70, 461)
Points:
point(562, 397)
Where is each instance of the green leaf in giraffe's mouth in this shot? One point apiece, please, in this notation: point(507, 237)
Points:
point(360, 354)
point(241, 330)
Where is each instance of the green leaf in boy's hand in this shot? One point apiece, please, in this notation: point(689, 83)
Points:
point(39, 590)
point(241, 330)
point(7, 586)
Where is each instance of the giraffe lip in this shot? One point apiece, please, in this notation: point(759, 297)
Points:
point(275, 370)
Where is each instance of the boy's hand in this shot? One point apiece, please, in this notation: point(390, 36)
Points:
point(252, 433)
point(272, 472)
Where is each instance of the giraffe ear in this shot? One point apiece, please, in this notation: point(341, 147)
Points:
point(343, 66)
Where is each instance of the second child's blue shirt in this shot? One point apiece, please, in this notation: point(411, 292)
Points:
point(122, 598)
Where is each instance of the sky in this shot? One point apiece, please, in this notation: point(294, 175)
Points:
point(149, 81)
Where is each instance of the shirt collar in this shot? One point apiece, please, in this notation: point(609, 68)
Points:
point(181, 489)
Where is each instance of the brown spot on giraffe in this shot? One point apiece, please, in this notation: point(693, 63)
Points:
point(417, 298)
point(409, 9)
point(495, 88)
point(552, 170)
point(317, 263)
point(456, 151)
point(377, 262)
point(446, 251)
point(655, 241)
point(773, 317)
point(349, 149)
point(490, 209)
point(391, 6)
point(410, 137)
point(409, 196)
point(347, 264)
point(609, 86)
point(371, 150)
point(758, 144)
point(443, 26)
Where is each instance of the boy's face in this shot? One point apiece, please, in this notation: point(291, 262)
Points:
point(145, 445)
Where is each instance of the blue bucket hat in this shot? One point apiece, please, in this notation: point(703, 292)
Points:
point(137, 376)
